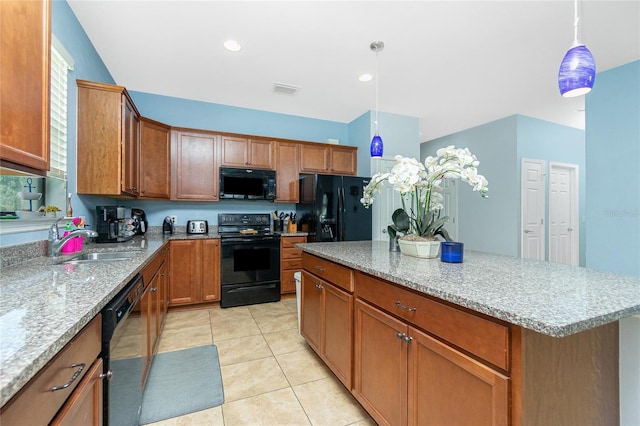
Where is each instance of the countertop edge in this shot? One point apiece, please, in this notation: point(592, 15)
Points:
point(537, 325)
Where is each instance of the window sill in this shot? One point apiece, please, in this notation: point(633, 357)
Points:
point(14, 226)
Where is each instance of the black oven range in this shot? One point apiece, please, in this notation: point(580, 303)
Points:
point(249, 259)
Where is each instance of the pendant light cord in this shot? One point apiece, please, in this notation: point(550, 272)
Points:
point(377, 78)
point(576, 19)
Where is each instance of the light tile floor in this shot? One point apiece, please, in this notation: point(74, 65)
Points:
point(270, 375)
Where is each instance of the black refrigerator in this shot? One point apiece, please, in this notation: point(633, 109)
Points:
point(330, 208)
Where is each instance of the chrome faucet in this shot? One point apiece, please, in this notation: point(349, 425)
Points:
point(56, 243)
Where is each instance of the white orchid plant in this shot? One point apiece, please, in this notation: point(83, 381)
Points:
point(420, 189)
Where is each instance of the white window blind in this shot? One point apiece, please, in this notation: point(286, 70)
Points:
point(61, 63)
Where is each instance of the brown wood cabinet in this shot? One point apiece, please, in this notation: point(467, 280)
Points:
point(194, 165)
point(290, 262)
point(421, 376)
point(419, 360)
point(153, 306)
point(25, 28)
point(108, 140)
point(327, 316)
point(328, 159)
point(287, 170)
point(155, 159)
point(84, 407)
point(37, 403)
point(242, 152)
point(194, 271)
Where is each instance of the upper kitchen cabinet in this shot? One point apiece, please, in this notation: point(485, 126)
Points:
point(287, 172)
point(24, 78)
point(194, 165)
point(328, 159)
point(155, 159)
point(343, 160)
point(241, 152)
point(108, 140)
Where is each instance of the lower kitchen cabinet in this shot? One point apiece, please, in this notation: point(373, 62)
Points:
point(70, 385)
point(84, 407)
point(290, 262)
point(327, 324)
point(194, 271)
point(153, 307)
point(404, 376)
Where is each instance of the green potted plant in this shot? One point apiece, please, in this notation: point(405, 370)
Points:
point(51, 211)
point(418, 225)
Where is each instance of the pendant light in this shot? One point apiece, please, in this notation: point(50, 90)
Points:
point(377, 146)
point(578, 68)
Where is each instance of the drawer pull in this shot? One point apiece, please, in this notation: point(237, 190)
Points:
point(294, 264)
point(153, 289)
point(319, 268)
point(406, 308)
point(73, 378)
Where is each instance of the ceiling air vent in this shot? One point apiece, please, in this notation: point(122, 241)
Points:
point(285, 89)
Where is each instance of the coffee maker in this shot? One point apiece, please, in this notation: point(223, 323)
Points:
point(112, 224)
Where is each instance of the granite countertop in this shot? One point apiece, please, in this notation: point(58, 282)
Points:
point(549, 298)
point(44, 305)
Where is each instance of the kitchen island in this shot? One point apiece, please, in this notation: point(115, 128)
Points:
point(493, 340)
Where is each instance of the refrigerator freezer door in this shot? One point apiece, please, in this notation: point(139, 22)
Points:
point(355, 219)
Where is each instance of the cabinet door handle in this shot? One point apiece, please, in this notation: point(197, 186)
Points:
point(408, 339)
point(318, 286)
point(406, 308)
point(404, 337)
point(108, 375)
point(153, 289)
point(73, 378)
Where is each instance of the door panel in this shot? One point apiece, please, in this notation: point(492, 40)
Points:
point(563, 213)
point(533, 209)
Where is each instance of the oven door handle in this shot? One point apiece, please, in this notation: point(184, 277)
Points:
point(248, 239)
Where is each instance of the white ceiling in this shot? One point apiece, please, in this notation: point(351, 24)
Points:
point(453, 64)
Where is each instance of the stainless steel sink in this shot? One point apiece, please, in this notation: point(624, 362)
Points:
point(107, 256)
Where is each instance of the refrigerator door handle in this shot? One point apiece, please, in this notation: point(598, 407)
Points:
point(343, 220)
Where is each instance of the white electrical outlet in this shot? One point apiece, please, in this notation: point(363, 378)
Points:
point(174, 219)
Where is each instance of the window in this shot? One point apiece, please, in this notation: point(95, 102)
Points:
point(61, 63)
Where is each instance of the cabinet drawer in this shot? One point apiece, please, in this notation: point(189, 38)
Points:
point(486, 339)
point(287, 282)
point(150, 270)
point(332, 272)
point(291, 253)
point(292, 264)
point(36, 403)
point(288, 242)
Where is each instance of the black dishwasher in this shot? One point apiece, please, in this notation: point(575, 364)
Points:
point(122, 355)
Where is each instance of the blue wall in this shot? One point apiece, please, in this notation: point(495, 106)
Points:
point(493, 225)
point(490, 225)
point(180, 112)
point(613, 163)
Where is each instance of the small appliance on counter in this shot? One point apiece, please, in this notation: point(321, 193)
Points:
point(197, 227)
point(140, 223)
point(112, 224)
point(167, 226)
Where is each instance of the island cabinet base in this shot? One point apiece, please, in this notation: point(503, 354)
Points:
point(420, 360)
point(571, 380)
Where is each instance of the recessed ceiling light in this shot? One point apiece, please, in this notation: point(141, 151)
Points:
point(232, 46)
point(365, 77)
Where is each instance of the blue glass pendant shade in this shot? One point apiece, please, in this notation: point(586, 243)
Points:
point(376, 147)
point(577, 72)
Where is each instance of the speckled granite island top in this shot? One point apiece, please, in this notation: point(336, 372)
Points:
point(44, 305)
point(549, 298)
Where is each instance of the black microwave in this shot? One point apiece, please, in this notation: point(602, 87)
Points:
point(247, 184)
